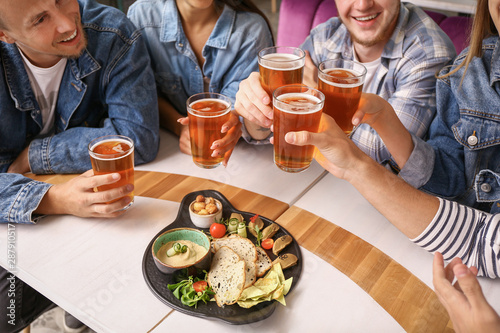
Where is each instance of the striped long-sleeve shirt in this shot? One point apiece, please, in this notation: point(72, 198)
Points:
point(468, 233)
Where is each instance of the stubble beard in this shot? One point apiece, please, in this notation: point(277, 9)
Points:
point(83, 45)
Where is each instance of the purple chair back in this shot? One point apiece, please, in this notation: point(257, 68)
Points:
point(298, 17)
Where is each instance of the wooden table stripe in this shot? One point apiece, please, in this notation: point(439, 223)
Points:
point(407, 299)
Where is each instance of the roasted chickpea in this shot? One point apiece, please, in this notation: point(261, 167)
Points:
point(211, 208)
point(200, 198)
point(197, 206)
point(209, 200)
point(203, 212)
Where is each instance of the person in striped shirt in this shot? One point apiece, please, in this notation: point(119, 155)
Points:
point(469, 236)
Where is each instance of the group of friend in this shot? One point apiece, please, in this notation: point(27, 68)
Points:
point(424, 152)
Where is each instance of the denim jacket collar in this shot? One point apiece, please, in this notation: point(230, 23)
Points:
point(84, 65)
point(17, 78)
point(172, 31)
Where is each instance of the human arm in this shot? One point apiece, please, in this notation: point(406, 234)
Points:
point(464, 300)
point(253, 104)
point(409, 85)
point(23, 200)
point(77, 197)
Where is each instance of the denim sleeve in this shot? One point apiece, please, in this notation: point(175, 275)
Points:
point(19, 198)
point(448, 172)
point(128, 91)
point(247, 62)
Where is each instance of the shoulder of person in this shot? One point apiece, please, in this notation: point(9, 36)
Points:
point(146, 12)
point(489, 46)
point(422, 33)
point(101, 18)
point(420, 24)
point(249, 20)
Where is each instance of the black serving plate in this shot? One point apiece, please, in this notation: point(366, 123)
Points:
point(232, 314)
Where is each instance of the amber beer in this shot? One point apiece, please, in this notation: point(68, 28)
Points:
point(342, 83)
point(279, 66)
point(296, 108)
point(113, 154)
point(207, 113)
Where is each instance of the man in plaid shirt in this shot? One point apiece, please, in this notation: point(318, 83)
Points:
point(402, 49)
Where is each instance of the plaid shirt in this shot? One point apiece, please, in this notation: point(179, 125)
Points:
point(418, 48)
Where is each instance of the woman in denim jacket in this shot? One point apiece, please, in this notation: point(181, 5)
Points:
point(461, 159)
point(200, 46)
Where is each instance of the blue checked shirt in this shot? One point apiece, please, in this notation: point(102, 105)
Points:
point(418, 48)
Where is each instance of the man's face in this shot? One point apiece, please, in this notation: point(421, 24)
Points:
point(370, 22)
point(45, 30)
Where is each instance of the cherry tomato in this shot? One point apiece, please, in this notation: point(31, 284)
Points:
point(200, 286)
point(267, 244)
point(217, 230)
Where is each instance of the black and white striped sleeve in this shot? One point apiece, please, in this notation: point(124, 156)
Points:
point(468, 233)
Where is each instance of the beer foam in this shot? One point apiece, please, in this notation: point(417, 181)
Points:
point(299, 106)
point(343, 85)
point(197, 112)
point(97, 156)
point(281, 61)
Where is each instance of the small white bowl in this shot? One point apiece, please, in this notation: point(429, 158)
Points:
point(205, 221)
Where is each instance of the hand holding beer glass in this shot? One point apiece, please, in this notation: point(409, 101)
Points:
point(342, 83)
point(296, 108)
point(113, 154)
point(207, 112)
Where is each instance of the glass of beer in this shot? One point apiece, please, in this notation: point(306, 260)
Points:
point(342, 83)
point(207, 113)
point(296, 108)
point(279, 66)
point(113, 154)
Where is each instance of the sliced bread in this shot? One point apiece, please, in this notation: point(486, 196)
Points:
point(263, 263)
point(246, 250)
point(226, 276)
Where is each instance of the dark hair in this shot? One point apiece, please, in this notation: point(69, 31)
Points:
point(245, 6)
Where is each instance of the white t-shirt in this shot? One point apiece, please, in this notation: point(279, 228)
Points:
point(45, 83)
point(371, 68)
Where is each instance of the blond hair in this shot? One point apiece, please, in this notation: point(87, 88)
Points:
point(482, 27)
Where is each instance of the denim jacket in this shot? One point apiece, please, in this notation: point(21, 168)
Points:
point(461, 159)
point(109, 89)
point(230, 52)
